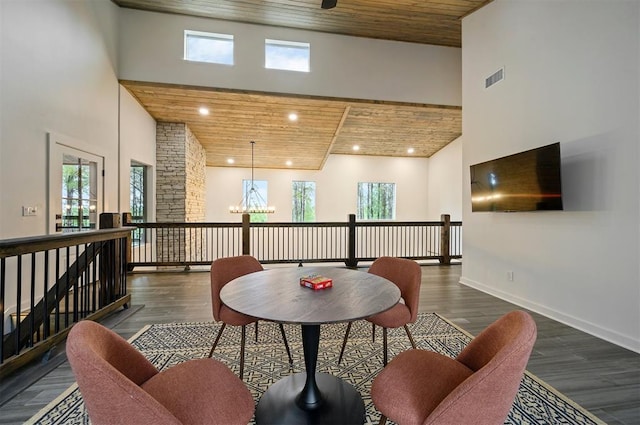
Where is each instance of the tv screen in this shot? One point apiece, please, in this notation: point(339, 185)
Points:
point(526, 181)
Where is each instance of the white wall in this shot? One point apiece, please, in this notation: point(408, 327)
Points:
point(572, 72)
point(58, 75)
point(341, 66)
point(137, 143)
point(336, 187)
point(444, 182)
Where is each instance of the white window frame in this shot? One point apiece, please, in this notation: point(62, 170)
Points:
point(212, 36)
point(312, 200)
point(360, 214)
point(286, 44)
point(59, 145)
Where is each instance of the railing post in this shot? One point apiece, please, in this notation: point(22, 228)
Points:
point(246, 235)
point(109, 260)
point(126, 221)
point(352, 261)
point(445, 235)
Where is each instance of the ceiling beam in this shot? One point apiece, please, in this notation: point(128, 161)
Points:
point(345, 114)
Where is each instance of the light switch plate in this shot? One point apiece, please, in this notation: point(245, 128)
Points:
point(29, 211)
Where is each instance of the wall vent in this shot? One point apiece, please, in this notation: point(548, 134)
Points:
point(494, 78)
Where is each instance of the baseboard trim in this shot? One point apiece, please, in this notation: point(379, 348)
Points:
point(575, 322)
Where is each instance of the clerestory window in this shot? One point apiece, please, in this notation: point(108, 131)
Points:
point(286, 55)
point(208, 47)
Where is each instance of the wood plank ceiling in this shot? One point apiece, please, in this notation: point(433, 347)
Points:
point(325, 125)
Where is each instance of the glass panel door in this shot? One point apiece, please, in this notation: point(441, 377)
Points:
point(79, 194)
point(75, 186)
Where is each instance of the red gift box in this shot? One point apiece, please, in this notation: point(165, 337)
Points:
point(316, 282)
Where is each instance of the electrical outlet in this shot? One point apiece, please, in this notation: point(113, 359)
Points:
point(510, 276)
point(29, 211)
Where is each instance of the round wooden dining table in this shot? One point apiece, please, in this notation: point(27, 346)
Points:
point(276, 295)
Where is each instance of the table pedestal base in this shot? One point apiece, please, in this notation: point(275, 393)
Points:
point(341, 402)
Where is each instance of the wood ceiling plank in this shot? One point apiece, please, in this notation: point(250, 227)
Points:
point(427, 21)
point(323, 127)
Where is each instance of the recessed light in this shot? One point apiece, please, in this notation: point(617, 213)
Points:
point(289, 163)
point(230, 161)
point(203, 111)
point(293, 116)
point(356, 148)
point(410, 150)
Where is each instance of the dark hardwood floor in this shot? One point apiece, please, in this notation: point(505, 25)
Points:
point(601, 377)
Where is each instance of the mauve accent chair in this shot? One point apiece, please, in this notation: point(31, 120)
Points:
point(120, 386)
point(477, 387)
point(407, 276)
point(223, 271)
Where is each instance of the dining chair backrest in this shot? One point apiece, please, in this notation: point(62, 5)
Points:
point(109, 372)
point(406, 275)
point(498, 356)
point(224, 270)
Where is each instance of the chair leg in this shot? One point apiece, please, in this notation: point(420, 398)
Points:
point(217, 339)
point(256, 331)
point(286, 344)
point(384, 347)
point(383, 420)
point(413, 344)
point(344, 343)
point(242, 343)
point(373, 332)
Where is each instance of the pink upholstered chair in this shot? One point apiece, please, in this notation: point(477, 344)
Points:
point(120, 386)
point(223, 271)
point(477, 387)
point(407, 275)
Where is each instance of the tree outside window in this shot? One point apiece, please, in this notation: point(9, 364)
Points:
point(376, 201)
point(255, 199)
point(304, 201)
point(137, 198)
point(79, 194)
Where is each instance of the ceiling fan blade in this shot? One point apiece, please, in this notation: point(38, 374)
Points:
point(329, 4)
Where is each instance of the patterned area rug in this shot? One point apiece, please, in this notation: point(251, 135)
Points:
point(266, 362)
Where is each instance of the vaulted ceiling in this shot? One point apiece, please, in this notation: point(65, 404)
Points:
point(335, 125)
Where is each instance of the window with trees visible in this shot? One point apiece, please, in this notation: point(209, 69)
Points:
point(138, 204)
point(208, 47)
point(304, 201)
point(255, 198)
point(376, 201)
point(286, 55)
point(79, 194)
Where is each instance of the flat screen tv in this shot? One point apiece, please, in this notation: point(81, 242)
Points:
point(525, 181)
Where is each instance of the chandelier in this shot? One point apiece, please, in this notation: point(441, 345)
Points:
point(252, 202)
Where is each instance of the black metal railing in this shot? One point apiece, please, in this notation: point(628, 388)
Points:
point(191, 244)
point(47, 283)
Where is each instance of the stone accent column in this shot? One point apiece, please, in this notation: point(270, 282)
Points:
point(180, 189)
point(170, 172)
point(195, 165)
